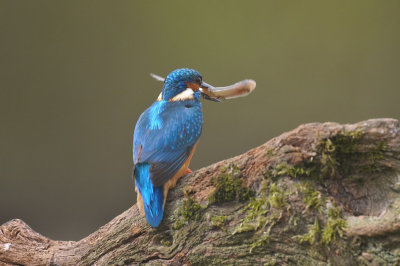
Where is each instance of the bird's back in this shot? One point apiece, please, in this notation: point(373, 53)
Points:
point(164, 137)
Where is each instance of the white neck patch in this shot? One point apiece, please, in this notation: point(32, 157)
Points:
point(159, 98)
point(184, 95)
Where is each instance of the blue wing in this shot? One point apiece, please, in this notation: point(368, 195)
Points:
point(165, 135)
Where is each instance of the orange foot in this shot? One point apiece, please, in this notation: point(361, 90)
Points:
point(188, 171)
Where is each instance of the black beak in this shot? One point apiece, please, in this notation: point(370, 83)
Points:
point(206, 97)
point(206, 91)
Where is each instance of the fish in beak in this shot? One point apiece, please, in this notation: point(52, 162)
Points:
point(217, 94)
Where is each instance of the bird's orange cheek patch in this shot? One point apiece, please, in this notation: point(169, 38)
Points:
point(193, 85)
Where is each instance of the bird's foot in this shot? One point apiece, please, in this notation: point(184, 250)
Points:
point(188, 171)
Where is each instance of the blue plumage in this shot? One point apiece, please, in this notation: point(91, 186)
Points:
point(152, 196)
point(176, 82)
point(164, 138)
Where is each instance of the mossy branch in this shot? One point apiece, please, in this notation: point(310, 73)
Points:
point(322, 193)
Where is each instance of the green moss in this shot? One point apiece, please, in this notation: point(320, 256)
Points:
point(259, 207)
point(244, 227)
point(218, 221)
point(178, 224)
point(339, 152)
point(264, 240)
point(373, 156)
point(261, 242)
point(229, 187)
point(334, 227)
point(312, 198)
point(165, 243)
point(348, 141)
point(339, 155)
point(293, 220)
point(277, 198)
point(289, 170)
point(256, 208)
point(263, 211)
point(224, 168)
point(270, 152)
point(293, 171)
point(312, 235)
point(377, 153)
point(189, 211)
point(327, 160)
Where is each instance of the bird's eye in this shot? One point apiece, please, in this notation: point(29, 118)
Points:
point(198, 80)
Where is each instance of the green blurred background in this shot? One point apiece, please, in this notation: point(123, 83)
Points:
point(74, 78)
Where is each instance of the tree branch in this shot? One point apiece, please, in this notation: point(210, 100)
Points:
point(322, 193)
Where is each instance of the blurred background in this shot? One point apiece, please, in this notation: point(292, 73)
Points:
point(74, 78)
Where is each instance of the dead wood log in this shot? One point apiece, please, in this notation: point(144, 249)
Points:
point(322, 193)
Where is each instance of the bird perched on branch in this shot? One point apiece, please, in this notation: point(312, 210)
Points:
point(165, 139)
point(167, 133)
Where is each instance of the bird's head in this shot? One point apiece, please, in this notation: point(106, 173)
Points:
point(181, 82)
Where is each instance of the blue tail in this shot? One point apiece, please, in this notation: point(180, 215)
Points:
point(153, 198)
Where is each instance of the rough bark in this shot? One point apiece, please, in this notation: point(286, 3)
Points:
point(322, 193)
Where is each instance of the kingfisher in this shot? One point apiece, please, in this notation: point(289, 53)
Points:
point(167, 133)
point(165, 138)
